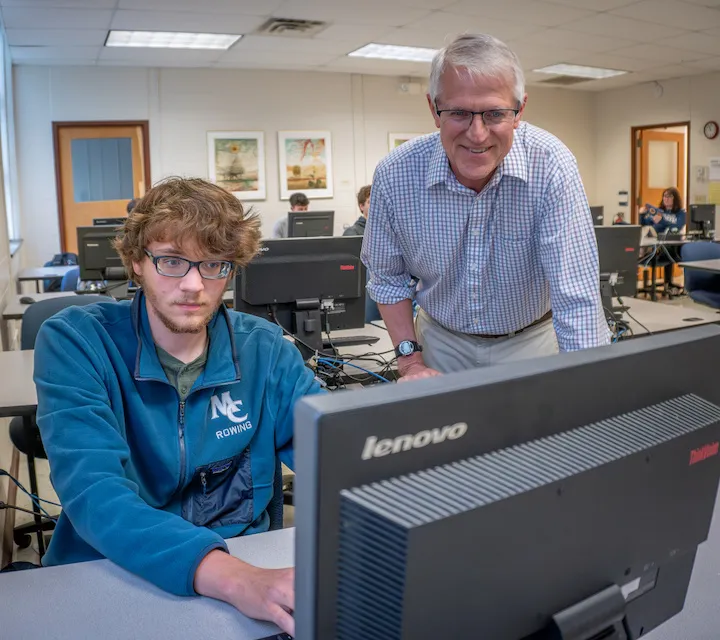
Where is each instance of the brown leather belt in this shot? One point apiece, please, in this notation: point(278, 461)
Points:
point(545, 318)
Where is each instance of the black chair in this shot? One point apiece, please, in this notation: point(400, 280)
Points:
point(24, 433)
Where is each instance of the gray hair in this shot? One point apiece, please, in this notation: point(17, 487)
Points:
point(482, 55)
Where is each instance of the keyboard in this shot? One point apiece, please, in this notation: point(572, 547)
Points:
point(349, 341)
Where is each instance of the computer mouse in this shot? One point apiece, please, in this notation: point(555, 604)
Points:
point(27, 300)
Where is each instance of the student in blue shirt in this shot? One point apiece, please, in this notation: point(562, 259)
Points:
point(669, 214)
point(163, 418)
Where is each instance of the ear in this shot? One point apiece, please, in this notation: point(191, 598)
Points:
point(435, 116)
point(137, 269)
point(521, 112)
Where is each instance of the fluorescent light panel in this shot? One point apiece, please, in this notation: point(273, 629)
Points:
point(394, 52)
point(578, 71)
point(171, 40)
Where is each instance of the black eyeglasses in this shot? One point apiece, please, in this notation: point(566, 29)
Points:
point(174, 267)
point(462, 118)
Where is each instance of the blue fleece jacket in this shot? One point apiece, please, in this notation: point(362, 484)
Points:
point(669, 220)
point(149, 482)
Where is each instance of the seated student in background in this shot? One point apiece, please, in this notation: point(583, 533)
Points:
point(163, 418)
point(298, 202)
point(363, 198)
point(619, 218)
point(669, 214)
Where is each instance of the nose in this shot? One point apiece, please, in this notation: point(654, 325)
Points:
point(477, 131)
point(192, 281)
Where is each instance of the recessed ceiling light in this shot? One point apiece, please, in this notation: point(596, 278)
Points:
point(170, 40)
point(394, 52)
point(579, 71)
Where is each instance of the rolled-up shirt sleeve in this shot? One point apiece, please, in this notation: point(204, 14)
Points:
point(389, 280)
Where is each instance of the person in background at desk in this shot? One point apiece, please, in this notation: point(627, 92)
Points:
point(298, 202)
point(491, 216)
point(163, 419)
point(363, 198)
point(619, 218)
point(668, 215)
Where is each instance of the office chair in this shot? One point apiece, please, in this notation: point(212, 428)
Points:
point(26, 439)
point(69, 281)
point(701, 286)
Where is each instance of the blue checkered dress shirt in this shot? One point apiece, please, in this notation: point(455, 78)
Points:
point(493, 262)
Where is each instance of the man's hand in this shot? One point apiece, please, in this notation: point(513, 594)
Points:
point(413, 367)
point(263, 594)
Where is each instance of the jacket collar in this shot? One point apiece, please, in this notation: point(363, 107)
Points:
point(220, 367)
point(513, 165)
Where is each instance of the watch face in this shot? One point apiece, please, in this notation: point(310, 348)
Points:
point(405, 348)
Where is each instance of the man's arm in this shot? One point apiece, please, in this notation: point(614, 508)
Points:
point(568, 253)
point(390, 281)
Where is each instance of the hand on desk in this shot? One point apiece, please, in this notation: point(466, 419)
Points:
point(263, 594)
point(413, 367)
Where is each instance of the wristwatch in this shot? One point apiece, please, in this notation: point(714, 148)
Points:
point(407, 347)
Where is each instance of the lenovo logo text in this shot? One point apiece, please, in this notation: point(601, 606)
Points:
point(375, 448)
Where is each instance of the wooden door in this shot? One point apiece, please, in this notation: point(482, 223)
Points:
point(662, 165)
point(100, 167)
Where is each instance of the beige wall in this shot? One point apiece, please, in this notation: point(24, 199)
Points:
point(183, 104)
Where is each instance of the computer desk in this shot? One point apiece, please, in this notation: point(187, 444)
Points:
point(41, 273)
point(659, 317)
point(100, 600)
point(711, 266)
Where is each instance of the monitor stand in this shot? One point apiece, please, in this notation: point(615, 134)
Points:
point(307, 325)
point(600, 616)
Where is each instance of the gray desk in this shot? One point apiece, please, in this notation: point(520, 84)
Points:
point(40, 273)
point(16, 309)
point(659, 317)
point(101, 600)
point(712, 266)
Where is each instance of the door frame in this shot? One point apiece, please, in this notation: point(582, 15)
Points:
point(143, 124)
point(634, 168)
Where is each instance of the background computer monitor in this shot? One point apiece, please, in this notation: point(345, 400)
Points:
point(306, 285)
point(434, 509)
point(598, 215)
point(310, 224)
point(618, 252)
point(104, 222)
point(703, 217)
point(97, 258)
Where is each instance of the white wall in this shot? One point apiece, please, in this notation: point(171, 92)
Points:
point(182, 105)
point(695, 99)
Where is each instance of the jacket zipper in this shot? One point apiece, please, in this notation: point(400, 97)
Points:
point(203, 481)
point(181, 433)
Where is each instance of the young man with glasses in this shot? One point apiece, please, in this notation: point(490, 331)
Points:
point(163, 418)
point(491, 216)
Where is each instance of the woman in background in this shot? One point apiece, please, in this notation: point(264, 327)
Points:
point(669, 214)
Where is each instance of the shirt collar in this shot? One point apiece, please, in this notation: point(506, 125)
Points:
point(513, 165)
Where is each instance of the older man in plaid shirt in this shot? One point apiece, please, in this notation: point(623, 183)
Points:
point(491, 218)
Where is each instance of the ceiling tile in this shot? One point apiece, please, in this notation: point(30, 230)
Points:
point(595, 5)
point(20, 54)
point(666, 72)
point(380, 67)
point(56, 37)
point(705, 3)
point(345, 31)
point(656, 53)
point(709, 64)
point(681, 15)
point(377, 12)
point(159, 57)
point(64, 4)
point(246, 7)
point(699, 42)
point(259, 58)
point(575, 40)
point(185, 21)
point(289, 46)
point(407, 37)
point(610, 61)
point(607, 84)
point(535, 12)
point(33, 18)
point(603, 24)
point(434, 5)
point(453, 24)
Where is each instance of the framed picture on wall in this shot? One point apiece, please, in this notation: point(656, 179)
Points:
point(305, 163)
point(396, 139)
point(236, 162)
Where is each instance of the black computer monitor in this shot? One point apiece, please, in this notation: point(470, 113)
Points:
point(310, 224)
point(96, 255)
point(618, 252)
point(104, 222)
point(598, 215)
point(488, 503)
point(306, 285)
point(703, 217)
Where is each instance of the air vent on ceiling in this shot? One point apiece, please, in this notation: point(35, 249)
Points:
point(291, 28)
point(565, 81)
